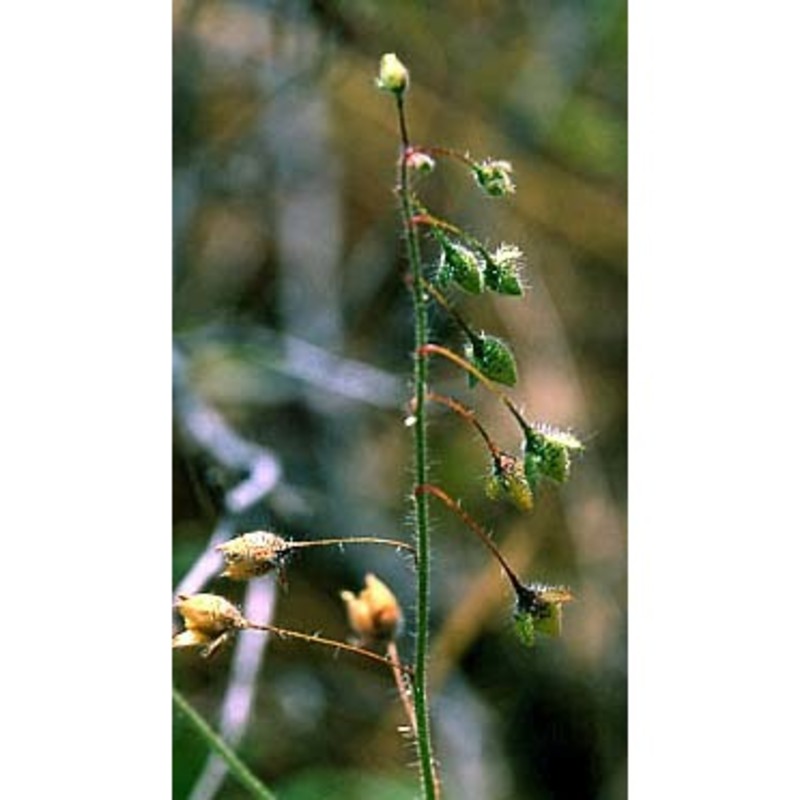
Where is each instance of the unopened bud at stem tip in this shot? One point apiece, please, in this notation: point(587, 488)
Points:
point(393, 75)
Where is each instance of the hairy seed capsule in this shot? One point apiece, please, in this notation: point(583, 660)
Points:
point(502, 270)
point(494, 177)
point(209, 621)
point(493, 357)
point(548, 454)
point(539, 610)
point(253, 554)
point(508, 482)
point(460, 264)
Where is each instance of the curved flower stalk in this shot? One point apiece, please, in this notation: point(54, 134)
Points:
point(257, 553)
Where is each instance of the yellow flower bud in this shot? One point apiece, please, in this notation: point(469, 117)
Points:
point(375, 614)
point(393, 75)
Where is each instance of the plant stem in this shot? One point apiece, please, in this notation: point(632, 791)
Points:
point(469, 415)
point(437, 349)
point(283, 633)
point(445, 498)
point(402, 686)
point(448, 308)
point(298, 545)
point(428, 779)
point(424, 217)
point(449, 152)
point(237, 767)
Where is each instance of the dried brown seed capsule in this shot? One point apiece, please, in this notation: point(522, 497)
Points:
point(375, 614)
point(210, 620)
point(253, 554)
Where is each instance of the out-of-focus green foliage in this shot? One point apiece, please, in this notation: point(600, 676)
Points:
point(344, 785)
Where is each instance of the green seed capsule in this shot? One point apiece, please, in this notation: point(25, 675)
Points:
point(525, 628)
point(461, 265)
point(493, 357)
point(508, 482)
point(502, 270)
point(547, 454)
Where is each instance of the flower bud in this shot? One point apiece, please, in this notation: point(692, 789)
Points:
point(253, 554)
point(419, 162)
point(494, 177)
point(375, 614)
point(393, 75)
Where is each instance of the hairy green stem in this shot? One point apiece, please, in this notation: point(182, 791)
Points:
point(428, 779)
point(237, 767)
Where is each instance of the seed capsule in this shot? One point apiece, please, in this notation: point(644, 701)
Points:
point(253, 554)
point(493, 357)
point(210, 622)
point(494, 177)
point(508, 482)
point(539, 610)
point(375, 614)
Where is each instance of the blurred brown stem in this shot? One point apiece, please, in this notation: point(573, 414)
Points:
point(402, 685)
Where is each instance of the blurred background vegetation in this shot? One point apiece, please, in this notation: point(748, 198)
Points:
point(292, 321)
